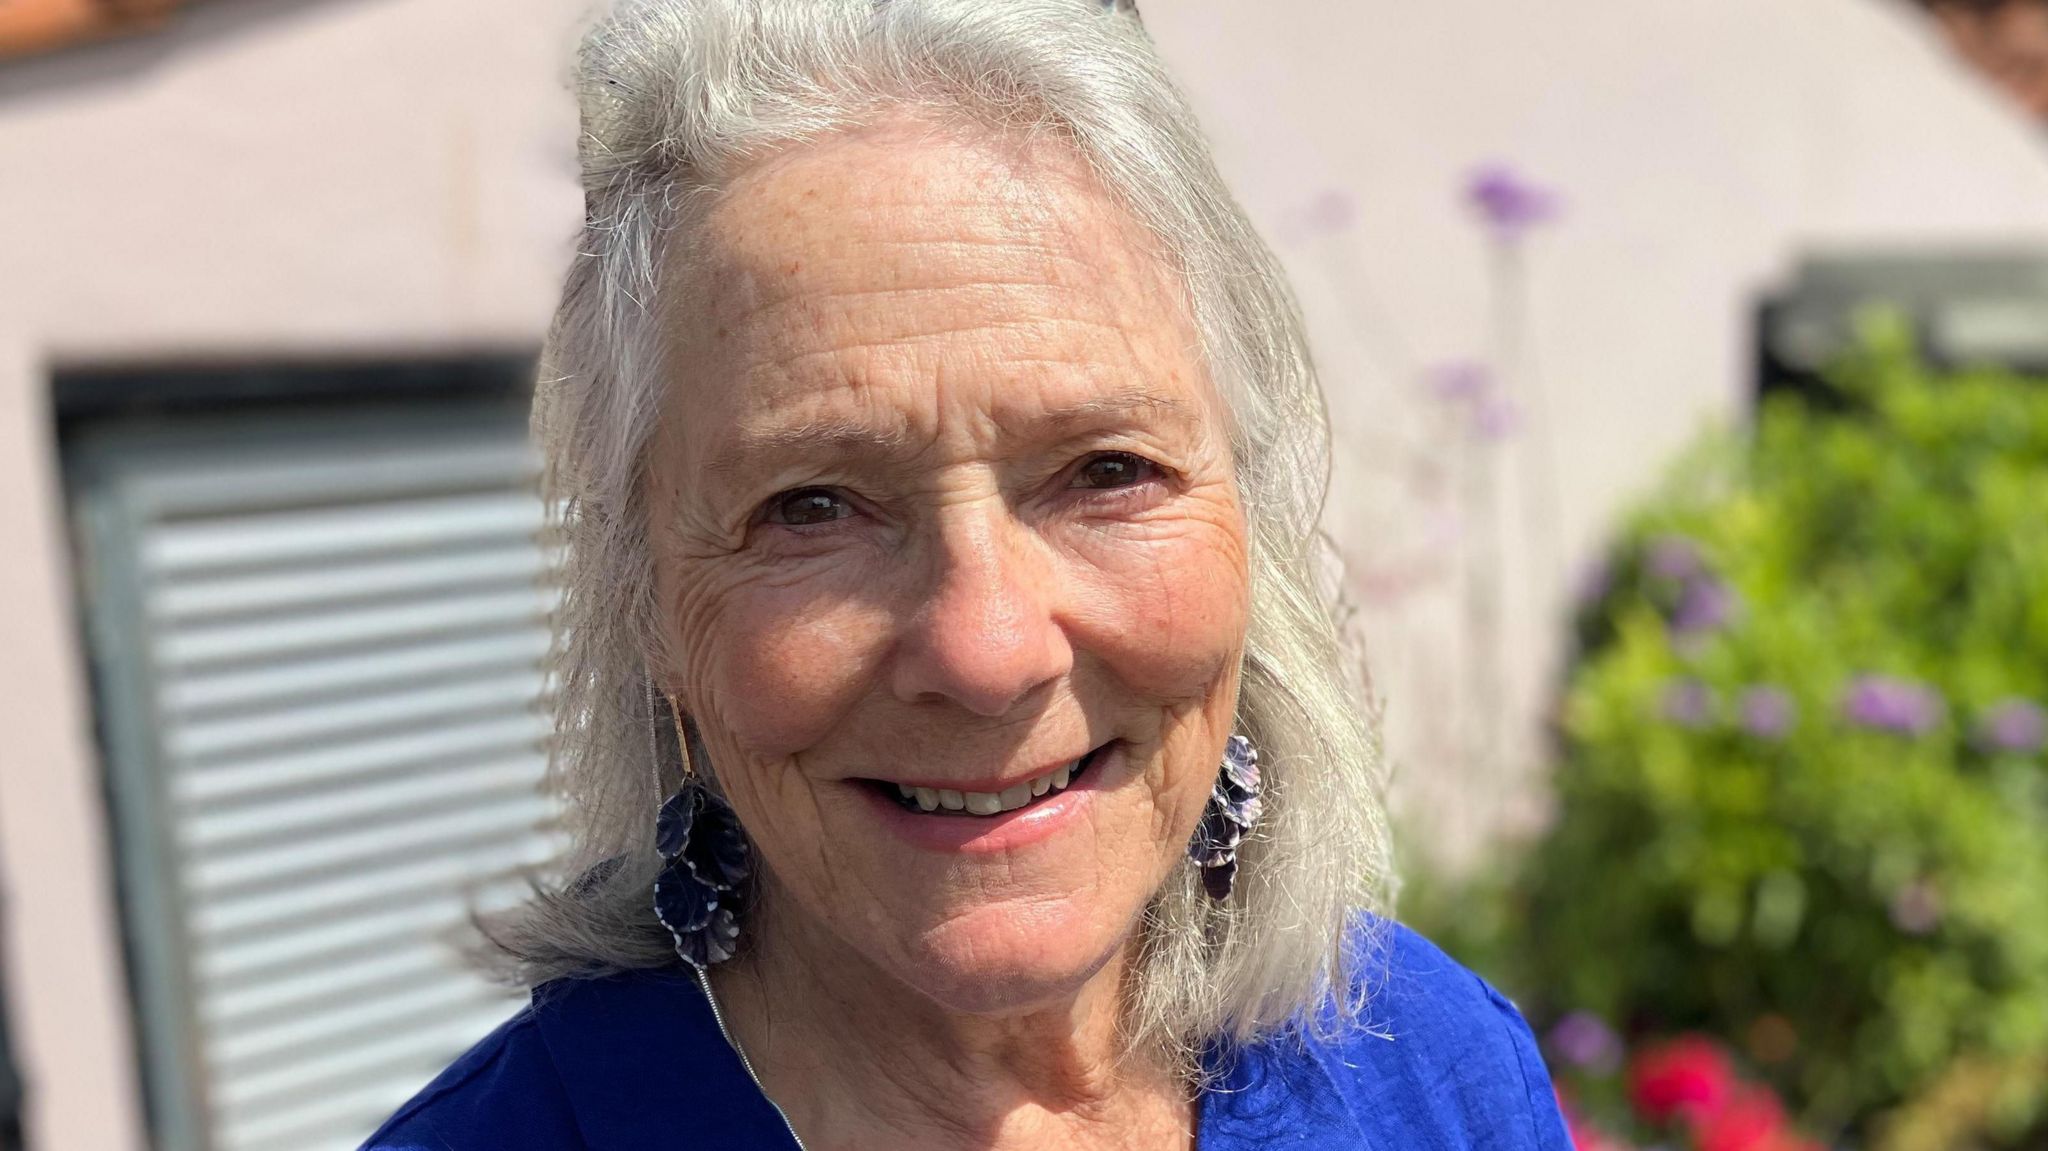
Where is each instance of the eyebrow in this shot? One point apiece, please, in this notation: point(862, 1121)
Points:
point(842, 437)
point(1125, 403)
point(830, 437)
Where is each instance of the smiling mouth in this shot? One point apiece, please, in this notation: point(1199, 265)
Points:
point(941, 801)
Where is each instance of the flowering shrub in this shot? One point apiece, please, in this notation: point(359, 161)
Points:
point(1682, 1092)
point(1802, 796)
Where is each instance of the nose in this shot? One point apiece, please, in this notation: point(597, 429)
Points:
point(987, 636)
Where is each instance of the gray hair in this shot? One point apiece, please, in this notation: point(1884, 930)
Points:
point(678, 97)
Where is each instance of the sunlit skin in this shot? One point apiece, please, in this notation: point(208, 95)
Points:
point(943, 493)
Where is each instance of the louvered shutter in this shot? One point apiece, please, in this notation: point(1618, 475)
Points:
point(318, 652)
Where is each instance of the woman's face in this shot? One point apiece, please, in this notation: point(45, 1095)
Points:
point(944, 506)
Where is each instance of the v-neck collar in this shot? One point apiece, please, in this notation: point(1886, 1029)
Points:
point(644, 1064)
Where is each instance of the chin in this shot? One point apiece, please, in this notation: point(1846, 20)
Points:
point(1007, 959)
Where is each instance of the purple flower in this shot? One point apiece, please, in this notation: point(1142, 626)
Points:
point(1916, 909)
point(1768, 712)
point(1673, 557)
point(1705, 605)
point(1509, 204)
point(1497, 418)
point(1461, 381)
point(1584, 1040)
point(2015, 726)
point(1689, 703)
point(1470, 385)
point(1889, 704)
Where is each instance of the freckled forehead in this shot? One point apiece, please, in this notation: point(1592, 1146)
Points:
point(919, 286)
point(907, 254)
point(910, 206)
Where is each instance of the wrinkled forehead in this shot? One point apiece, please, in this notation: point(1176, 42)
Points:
point(911, 248)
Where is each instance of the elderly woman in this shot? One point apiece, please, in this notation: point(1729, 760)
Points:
point(959, 746)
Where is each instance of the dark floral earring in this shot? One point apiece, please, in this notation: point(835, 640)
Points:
point(704, 860)
point(1234, 806)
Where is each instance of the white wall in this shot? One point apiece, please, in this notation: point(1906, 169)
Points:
point(334, 173)
point(371, 175)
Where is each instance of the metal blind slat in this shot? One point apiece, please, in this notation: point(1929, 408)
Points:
point(366, 711)
point(203, 484)
point(407, 576)
point(231, 1051)
point(502, 818)
point(248, 686)
point(356, 627)
point(275, 537)
point(298, 1121)
point(384, 801)
point(302, 1078)
point(235, 1000)
point(328, 766)
point(408, 880)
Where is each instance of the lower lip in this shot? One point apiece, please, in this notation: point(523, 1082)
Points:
point(993, 834)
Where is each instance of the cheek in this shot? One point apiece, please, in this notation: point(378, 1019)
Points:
point(777, 666)
point(1167, 617)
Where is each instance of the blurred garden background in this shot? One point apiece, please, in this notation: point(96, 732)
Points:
point(1686, 365)
point(1792, 891)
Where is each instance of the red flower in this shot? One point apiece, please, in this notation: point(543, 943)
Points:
point(1686, 1078)
point(1750, 1119)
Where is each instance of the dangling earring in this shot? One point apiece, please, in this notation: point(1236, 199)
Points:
point(705, 859)
point(1234, 807)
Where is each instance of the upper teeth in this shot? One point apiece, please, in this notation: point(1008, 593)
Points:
point(989, 802)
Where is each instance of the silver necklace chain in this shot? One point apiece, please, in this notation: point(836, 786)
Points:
point(718, 1017)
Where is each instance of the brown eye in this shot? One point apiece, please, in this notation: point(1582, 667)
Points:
point(1114, 470)
point(807, 506)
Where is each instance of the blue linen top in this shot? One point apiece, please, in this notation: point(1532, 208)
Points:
point(636, 1061)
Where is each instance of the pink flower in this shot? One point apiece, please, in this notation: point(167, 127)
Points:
point(1685, 1078)
point(1750, 1119)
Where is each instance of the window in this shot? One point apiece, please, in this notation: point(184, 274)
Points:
point(316, 632)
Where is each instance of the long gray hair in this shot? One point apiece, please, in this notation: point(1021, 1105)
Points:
point(680, 95)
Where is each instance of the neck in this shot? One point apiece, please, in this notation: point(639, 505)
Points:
point(857, 1060)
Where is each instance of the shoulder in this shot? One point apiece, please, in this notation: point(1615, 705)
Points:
point(523, 1087)
point(502, 1094)
point(600, 1064)
point(1440, 1059)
